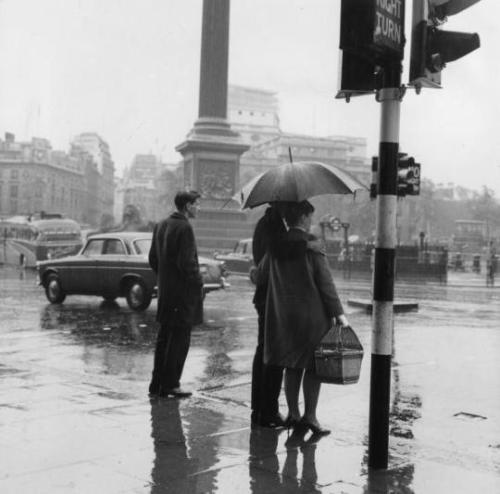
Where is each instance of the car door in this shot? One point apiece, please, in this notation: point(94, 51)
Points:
point(110, 267)
point(83, 270)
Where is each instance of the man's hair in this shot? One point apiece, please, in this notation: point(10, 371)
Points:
point(183, 197)
point(295, 210)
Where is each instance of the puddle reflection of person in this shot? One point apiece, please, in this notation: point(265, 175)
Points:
point(262, 451)
point(296, 444)
point(172, 465)
point(264, 465)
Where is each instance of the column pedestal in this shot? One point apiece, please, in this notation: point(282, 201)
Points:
point(211, 155)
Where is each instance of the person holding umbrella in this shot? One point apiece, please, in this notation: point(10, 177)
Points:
point(270, 235)
point(301, 305)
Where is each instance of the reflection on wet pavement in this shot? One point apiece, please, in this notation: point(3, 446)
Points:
point(74, 415)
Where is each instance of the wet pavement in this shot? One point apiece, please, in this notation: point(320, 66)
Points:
point(75, 416)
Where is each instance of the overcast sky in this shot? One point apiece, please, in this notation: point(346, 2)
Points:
point(129, 70)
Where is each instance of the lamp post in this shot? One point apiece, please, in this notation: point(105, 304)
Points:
point(347, 256)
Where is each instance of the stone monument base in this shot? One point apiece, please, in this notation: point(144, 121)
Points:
point(220, 229)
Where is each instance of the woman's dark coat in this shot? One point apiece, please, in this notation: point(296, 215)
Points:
point(174, 258)
point(301, 302)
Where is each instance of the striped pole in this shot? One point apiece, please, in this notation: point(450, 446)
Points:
point(383, 278)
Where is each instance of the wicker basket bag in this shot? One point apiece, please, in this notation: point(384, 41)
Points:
point(338, 356)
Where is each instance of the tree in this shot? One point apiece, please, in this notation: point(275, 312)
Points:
point(485, 207)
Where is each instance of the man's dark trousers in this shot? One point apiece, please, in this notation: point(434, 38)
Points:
point(266, 379)
point(172, 347)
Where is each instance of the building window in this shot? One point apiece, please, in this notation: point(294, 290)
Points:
point(14, 174)
point(14, 189)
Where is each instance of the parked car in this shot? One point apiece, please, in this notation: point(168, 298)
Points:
point(112, 265)
point(240, 260)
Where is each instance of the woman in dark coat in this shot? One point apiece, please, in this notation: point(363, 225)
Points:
point(301, 303)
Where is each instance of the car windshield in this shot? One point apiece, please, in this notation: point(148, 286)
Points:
point(243, 247)
point(142, 246)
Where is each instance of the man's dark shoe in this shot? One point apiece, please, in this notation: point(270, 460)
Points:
point(154, 389)
point(176, 393)
point(274, 422)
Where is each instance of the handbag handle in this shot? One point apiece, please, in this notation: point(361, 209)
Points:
point(339, 328)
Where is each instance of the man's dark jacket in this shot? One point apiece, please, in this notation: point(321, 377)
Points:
point(173, 257)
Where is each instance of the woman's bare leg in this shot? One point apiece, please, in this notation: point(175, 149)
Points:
point(311, 390)
point(293, 377)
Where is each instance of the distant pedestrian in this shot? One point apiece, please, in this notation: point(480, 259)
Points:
point(490, 270)
point(443, 266)
point(174, 258)
point(301, 305)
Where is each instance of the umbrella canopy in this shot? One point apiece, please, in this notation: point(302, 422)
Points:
point(296, 182)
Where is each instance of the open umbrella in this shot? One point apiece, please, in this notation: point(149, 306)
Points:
point(296, 182)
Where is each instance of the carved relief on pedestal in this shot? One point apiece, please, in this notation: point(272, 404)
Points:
point(216, 179)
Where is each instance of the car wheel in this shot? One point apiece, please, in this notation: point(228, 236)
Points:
point(109, 298)
point(138, 296)
point(53, 290)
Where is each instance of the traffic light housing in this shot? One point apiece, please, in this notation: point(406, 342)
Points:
point(431, 47)
point(408, 176)
point(371, 36)
point(408, 181)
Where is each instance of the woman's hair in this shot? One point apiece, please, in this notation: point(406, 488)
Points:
point(295, 210)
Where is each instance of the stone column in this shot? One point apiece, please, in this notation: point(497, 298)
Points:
point(212, 150)
point(214, 59)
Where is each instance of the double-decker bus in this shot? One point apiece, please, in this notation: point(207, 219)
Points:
point(41, 236)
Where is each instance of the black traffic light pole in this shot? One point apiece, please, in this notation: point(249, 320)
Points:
point(385, 252)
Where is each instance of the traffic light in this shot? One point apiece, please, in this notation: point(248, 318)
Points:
point(431, 47)
point(408, 183)
point(371, 36)
point(408, 176)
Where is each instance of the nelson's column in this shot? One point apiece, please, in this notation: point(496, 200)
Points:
point(212, 151)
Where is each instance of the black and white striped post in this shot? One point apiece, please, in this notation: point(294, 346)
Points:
point(384, 268)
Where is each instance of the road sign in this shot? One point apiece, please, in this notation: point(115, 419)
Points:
point(335, 223)
point(389, 25)
point(373, 28)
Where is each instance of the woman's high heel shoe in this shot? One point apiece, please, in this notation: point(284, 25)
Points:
point(316, 429)
point(291, 422)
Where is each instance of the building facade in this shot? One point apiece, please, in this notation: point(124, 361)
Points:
point(99, 150)
point(34, 177)
point(254, 113)
point(150, 186)
point(347, 153)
